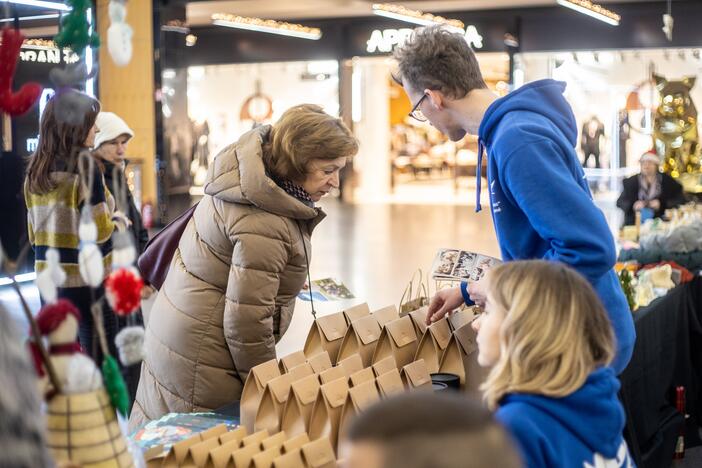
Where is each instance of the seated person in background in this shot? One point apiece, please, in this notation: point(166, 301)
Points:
point(549, 344)
point(423, 429)
point(650, 189)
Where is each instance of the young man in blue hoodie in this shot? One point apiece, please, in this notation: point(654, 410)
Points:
point(540, 201)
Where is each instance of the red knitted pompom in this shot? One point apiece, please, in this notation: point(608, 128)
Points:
point(123, 290)
point(52, 315)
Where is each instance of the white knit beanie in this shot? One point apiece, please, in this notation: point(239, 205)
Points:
point(110, 126)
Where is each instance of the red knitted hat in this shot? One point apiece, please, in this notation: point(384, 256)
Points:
point(52, 315)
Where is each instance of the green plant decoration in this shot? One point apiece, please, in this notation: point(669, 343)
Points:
point(115, 386)
point(75, 29)
point(625, 280)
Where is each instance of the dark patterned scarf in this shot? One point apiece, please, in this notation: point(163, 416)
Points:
point(295, 191)
point(648, 192)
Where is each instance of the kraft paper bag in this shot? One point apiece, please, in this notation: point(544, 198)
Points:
point(326, 414)
point(359, 377)
point(292, 459)
point(433, 343)
point(399, 340)
point(419, 319)
point(292, 360)
point(272, 404)
point(244, 455)
point(461, 317)
point(326, 334)
point(390, 383)
point(179, 451)
point(276, 440)
point(461, 358)
point(358, 399)
point(198, 453)
point(235, 434)
point(254, 438)
point(255, 385)
point(333, 374)
point(265, 458)
point(220, 456)
point(385, 315)
point(416, 376)
point(352, 364)
point(319, 454)
point(386, 365)
point(298, 409)
point(411, 301)
point(320, 362)
point(301, 371)
point(295, 442)
point(356, 312)
point(361, 338)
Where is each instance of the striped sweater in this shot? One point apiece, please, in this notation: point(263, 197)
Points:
point(54, 217)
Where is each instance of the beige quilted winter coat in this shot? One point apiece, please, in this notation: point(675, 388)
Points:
point(230, 290)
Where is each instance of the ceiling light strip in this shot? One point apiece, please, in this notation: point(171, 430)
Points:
point(39, 3)
point(30, 18)
point(592, 9)
point(402, 13)
point(267, 26)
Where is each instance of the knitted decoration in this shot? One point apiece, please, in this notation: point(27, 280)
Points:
point(123, 291)
point(82, 375)
point(52, 315)
point(75, 29)
point(20, 102)
point(130, 341)
point(53, 276)
point(115, 386)
point(90, 263)
point(119, 34)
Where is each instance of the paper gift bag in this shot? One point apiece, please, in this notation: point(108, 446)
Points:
point(385, 365)
point(416, 376)
point(179, 451)
point(235, 434)
point(292, 360)
point(295, 442)
point(244, 455)
point(359, 377)
point(220, 456)
point(385, 315)
point(419, 320)
point(356, 312)
point(254, 387)
point(433, 343)
point(390, 383)
point(399, 340)
point(351, 364)
point(319, 454)
point(326, 334)
point(361, 338)
point(198, 453)
point(358, 399)
point(270, 411)
point(265, 458)
point(333, 374)
point(461, 317)
point(292, 459)
point(326, 413)
point(416, 293)
point(298, 409)
point(461, 358)
point(254, 439)
point(320, 362)
point(276, 440)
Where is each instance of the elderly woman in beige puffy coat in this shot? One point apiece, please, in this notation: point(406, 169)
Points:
point(242, 260)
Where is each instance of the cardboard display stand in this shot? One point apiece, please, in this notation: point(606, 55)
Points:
point(416, 376)
point(390, 383)
point(385, 365)
point(433, 343)
point(356, 312)
point(320, 362)
point(326, 413)
point(361, 338)
point(398, 340)
point(385, 315)
point(298, 409)
point(254, 387)
point(326, 334)
point(319, 454)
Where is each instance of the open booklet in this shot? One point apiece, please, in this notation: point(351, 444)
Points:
point(460, 265)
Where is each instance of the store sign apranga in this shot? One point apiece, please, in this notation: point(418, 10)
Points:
point(386, 40)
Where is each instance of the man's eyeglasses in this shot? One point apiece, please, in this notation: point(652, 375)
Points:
point(416, 112)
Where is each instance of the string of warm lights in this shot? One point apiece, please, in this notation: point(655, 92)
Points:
point(592, 9)
point(414, 16)
point(266, 25)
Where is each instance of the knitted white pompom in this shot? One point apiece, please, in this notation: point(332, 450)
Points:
point(130, 343)
point(82, 375)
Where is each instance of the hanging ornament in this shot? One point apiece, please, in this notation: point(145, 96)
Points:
point(52, 277)
point(130, 343)
point(71, 104)
point(90, 264)
point(75, 28)
point(115, 386)
point(20, 102)
point(123, 291)
point(119, 34)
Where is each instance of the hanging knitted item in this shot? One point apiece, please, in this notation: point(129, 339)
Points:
point(123, 291)
point(130, 343)
point(75, 28)
point(51, 277)
point(115, 386)
point(90, 262)
point(71, 104)
point(119, 34)
point(20, 102)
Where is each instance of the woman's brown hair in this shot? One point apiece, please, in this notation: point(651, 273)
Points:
point(58, 139)
point(303, 133)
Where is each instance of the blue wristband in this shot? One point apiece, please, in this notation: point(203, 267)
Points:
point(466, 296)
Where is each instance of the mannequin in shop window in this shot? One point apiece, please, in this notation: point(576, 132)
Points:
point(650, 192)
point(593, 131)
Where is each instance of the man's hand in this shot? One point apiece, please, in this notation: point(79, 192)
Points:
point(655, 205)
point(444, 302)
point(639, 205)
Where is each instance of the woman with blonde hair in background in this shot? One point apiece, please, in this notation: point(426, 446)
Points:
point(240, 264)
point(549, 343)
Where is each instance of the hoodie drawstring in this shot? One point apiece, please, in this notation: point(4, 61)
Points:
point(479, 175)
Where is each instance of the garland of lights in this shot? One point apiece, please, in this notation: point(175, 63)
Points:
point(401, 10)
point(595, 8)
point(267, 23)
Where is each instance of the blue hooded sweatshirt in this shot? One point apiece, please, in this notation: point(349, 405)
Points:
point(540, 201)
point(581, 430)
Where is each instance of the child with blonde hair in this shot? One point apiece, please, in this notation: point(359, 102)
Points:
point(549, 343)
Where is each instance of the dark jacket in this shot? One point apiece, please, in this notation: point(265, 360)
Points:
point(139, 232)
point(670, 197)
